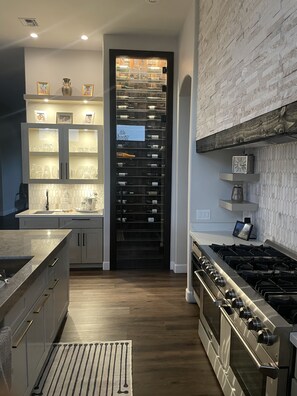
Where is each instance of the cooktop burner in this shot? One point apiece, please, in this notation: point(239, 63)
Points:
point(268, 271)
point(245, 251)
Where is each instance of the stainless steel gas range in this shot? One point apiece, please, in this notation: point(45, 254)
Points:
point(248, 307)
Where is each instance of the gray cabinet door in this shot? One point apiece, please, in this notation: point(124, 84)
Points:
point(92, 245)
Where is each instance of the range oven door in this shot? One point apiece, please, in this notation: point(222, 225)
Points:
point(251, 374)
point(195, 282)
point(210, 316)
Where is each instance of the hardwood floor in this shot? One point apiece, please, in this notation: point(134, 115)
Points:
point(150, 309)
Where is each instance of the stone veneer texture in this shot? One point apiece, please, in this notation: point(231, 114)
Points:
point(247, 60)
point(276, 194)
point(63, 196)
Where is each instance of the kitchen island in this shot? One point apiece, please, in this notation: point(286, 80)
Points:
point(34, 297)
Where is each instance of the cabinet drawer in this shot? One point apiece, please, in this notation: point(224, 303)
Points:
point(84, 222)
point(25, 303)
point(39, 223)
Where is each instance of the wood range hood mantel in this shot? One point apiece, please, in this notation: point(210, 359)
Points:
point(275, 127)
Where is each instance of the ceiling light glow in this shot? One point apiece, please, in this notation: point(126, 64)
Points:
point(84, 37)
point(34, 35)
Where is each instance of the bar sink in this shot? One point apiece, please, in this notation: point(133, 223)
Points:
point(9, 266)
point(44, 212)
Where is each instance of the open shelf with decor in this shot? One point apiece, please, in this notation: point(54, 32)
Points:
point(239, 178)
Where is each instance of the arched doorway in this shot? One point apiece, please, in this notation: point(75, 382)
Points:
point(183, 139)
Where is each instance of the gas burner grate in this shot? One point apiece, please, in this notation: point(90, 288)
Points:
point(285, 305)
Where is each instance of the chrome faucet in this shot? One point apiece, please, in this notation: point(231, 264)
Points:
point(47, 202)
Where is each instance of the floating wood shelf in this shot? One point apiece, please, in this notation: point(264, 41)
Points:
point(240, 177)
point(58, 98)
point(238, 206)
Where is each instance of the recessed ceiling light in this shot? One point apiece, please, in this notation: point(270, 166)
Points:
point(84, 37)
point(34, 35)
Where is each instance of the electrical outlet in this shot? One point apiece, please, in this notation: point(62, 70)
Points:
point(203, 214)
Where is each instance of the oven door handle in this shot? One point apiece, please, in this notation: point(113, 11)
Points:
point(213, 299)
point(269, 370)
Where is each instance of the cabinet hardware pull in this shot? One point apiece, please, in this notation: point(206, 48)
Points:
point(55, 284)
point(61, 170)
point(67, 173)
point(80, 219)
point(54, 262)
point(19, 340)
point(37, 310)
point(84, 239)
point(78, 240)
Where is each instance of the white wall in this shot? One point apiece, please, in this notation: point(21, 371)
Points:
point(52, 65)
point(129, 42)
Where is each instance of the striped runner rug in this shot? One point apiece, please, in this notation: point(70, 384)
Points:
point(88, 369)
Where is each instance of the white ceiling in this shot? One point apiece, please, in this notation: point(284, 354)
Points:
point(62, 22)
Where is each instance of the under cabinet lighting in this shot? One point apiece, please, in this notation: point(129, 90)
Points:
point(34, 35)
point(84, 37)
point(46, 100)
point(85, 101)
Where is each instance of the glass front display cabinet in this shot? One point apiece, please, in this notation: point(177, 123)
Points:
point(62, 154)
point(141, 134)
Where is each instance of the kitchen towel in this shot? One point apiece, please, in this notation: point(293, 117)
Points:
point(5, 360)
point(97, 368)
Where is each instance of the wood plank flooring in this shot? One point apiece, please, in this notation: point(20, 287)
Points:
point(150, 309)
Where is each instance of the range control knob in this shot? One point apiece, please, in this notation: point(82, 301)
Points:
point(203, 260)
point(255, 324)
point(237, 302)
point(230, 294)
point(245, 313)
point(220, 281)
point(213, 273)
point(209, 268)
point(266, 337)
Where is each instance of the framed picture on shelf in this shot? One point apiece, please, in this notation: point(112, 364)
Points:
point(87, 89)
point(64, 118)
point(89, 117)
point(43, 88)
point(40, 115)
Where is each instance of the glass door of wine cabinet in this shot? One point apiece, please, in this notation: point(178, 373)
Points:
point(141, 134)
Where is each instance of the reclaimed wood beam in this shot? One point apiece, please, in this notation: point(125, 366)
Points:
point(275, 127)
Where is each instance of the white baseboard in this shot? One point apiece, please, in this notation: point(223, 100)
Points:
point(106, 266)
point(178, 268)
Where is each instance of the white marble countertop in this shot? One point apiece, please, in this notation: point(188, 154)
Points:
point(37, 246)
point(60, 213)
point(220, 237)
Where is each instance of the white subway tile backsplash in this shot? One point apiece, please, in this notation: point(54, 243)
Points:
point(64, 196)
